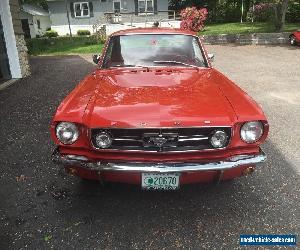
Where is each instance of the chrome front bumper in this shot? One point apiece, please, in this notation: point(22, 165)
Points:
point(154, 167)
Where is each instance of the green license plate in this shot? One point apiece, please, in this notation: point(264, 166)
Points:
point(160, 181)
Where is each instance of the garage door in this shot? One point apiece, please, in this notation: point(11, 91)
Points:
point(4, 66)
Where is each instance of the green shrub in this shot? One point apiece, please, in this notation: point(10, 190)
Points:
point(51, 33)
point(224, 12)
point(293, 13)
point(83, 33)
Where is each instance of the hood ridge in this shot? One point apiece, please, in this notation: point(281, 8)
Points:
point(155, 99)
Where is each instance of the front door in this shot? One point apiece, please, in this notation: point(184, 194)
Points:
point(4, 64)
point(117, 6)
point(25, 27)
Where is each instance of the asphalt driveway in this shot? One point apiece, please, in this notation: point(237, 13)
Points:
point(41, 207)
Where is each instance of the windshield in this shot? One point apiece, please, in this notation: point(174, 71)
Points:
point(154, 50)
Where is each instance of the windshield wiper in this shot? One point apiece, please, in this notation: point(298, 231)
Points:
point(128, 65)
point(177, 62)
point(123, 65)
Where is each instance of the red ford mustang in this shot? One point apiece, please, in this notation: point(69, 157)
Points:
point(155, 113)
point(295, 38)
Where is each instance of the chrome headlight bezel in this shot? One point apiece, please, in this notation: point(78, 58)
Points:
point(214, 139)
point(249, 127)
point(105, 137)
point(67, 132)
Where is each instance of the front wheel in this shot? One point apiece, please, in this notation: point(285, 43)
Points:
point(293, 41)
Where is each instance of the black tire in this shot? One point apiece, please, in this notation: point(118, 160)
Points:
point(293, 41)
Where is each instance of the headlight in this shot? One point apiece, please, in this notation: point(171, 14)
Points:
point(252, 131)
point(67, 132)
point(219, 139)
point(103, 140)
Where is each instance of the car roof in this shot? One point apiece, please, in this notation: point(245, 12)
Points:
point(153, 31)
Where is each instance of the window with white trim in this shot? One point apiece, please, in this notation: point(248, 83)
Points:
point(81, 9)
point(146, 5)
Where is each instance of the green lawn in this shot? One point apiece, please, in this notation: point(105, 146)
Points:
point(72, 50)
point(64, 46)
point(242, 28)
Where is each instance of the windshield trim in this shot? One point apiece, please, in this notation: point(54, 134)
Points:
point(206, 61)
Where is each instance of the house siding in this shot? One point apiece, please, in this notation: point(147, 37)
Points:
point(58, 14)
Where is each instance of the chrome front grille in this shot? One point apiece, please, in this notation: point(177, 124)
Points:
point(160, 140)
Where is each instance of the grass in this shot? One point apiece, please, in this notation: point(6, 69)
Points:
point(244, 28)
point(64, 46)
point(70, 49)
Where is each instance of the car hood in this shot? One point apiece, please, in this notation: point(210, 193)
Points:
point(158, 98)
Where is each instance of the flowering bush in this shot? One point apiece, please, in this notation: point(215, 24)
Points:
point(263, 12)
point(193, 19)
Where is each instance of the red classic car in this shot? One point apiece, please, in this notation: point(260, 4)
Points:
point(295, 38)
point(155, 113)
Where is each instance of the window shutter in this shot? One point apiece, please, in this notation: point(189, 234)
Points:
point(91, 9)
point(72, 9)
point(155, 6)
point(136, 7)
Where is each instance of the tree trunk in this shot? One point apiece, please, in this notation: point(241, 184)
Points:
point(280, 12)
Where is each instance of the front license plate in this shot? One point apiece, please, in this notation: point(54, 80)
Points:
point(160, 181)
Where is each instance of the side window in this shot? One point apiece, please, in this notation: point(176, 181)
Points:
point(77, 10)
point(85, 9)
point(145, 5)
point(81, 9)
point(197, 52)
point(150, 7)
point(142, 6)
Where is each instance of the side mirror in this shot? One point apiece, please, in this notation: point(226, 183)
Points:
point(96, 59)
point(211, 57)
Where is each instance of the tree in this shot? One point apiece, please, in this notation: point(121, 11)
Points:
point(230, 10)
point(219, 10)
point(280, 9)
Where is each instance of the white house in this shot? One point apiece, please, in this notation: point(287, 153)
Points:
point(91, 15)
point(35, 20)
